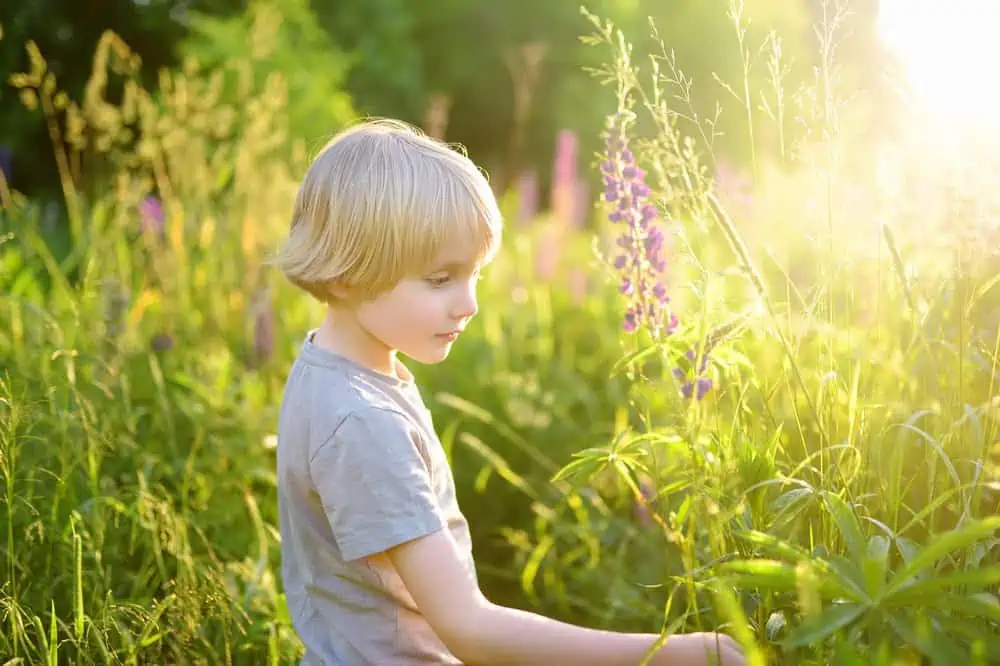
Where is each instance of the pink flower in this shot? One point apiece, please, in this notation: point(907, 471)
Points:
point(151, 216)
point(527, 190)
point(577, 286)
point(564, 178)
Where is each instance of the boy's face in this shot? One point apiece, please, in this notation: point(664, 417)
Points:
point(423, 314)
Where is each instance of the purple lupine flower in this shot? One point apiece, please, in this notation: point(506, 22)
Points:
point(263, 328)
point(631, 320)
point(698, 388)
point(695, 382)
point(161, 342)
point(641, 261)
point(151, 215)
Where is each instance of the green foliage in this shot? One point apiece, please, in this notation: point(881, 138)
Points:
point(390, 57)
point(832, 500)
point(133, 371)
point(284, 40)
point(386, 65)
point(801, 499)
point(67, 32)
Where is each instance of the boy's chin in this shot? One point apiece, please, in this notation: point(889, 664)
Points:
point(430, 357)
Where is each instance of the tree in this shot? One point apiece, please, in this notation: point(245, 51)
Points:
point(67, 32)
point(280, 39)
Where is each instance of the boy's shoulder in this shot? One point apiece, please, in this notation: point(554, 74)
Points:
point(334, 392)
point(323, 391)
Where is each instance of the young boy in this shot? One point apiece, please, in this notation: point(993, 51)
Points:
point(390, 231)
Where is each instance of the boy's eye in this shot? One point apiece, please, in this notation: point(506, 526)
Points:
point(442, 280)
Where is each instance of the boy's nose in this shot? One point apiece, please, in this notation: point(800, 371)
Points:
point(466, 307)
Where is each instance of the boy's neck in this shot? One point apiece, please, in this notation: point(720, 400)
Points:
point(341, 333)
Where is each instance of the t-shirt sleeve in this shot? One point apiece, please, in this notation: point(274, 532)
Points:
point(375, 484)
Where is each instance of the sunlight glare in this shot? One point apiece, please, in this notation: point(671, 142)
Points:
point(950, 53)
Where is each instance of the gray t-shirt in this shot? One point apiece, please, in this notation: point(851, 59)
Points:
point(360, 470)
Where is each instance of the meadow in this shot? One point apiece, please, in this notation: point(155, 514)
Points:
point(794, 440)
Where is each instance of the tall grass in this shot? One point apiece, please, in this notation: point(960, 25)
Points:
point(831, 500)
point(135, 392)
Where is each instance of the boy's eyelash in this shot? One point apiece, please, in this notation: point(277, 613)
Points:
point(441, 281)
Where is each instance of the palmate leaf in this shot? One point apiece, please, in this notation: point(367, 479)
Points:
point(623, 450)
point(788, 506)
point(772, 544)
point(847, 524)
point(971, 578)
point(943, 545)
point(974, 633)
point(836, 577)
point(908, 549)
point(831, 620)
point(876, 564)
point(584, 465)
point(934, 644)
point(848, 577)
point(981, 605)
point(762, 573)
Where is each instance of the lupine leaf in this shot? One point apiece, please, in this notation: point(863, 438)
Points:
point(817, 628)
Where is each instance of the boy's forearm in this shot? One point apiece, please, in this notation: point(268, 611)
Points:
point(499, 635)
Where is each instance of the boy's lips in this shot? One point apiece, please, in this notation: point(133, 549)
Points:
point(449, 336)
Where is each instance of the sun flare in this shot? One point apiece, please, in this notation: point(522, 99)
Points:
point(950, 54)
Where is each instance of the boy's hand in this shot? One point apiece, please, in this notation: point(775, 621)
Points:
point(479, 632)
point(700, 649)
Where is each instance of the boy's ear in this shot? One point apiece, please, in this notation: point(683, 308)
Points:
point(337, 291)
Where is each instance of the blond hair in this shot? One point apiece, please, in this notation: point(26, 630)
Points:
point(378, 204)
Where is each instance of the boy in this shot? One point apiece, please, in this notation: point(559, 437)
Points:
point(390, 230)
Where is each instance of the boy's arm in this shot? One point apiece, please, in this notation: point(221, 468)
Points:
point(479, 632)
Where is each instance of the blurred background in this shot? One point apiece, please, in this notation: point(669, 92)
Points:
point(802, 446)
point(501, 78)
